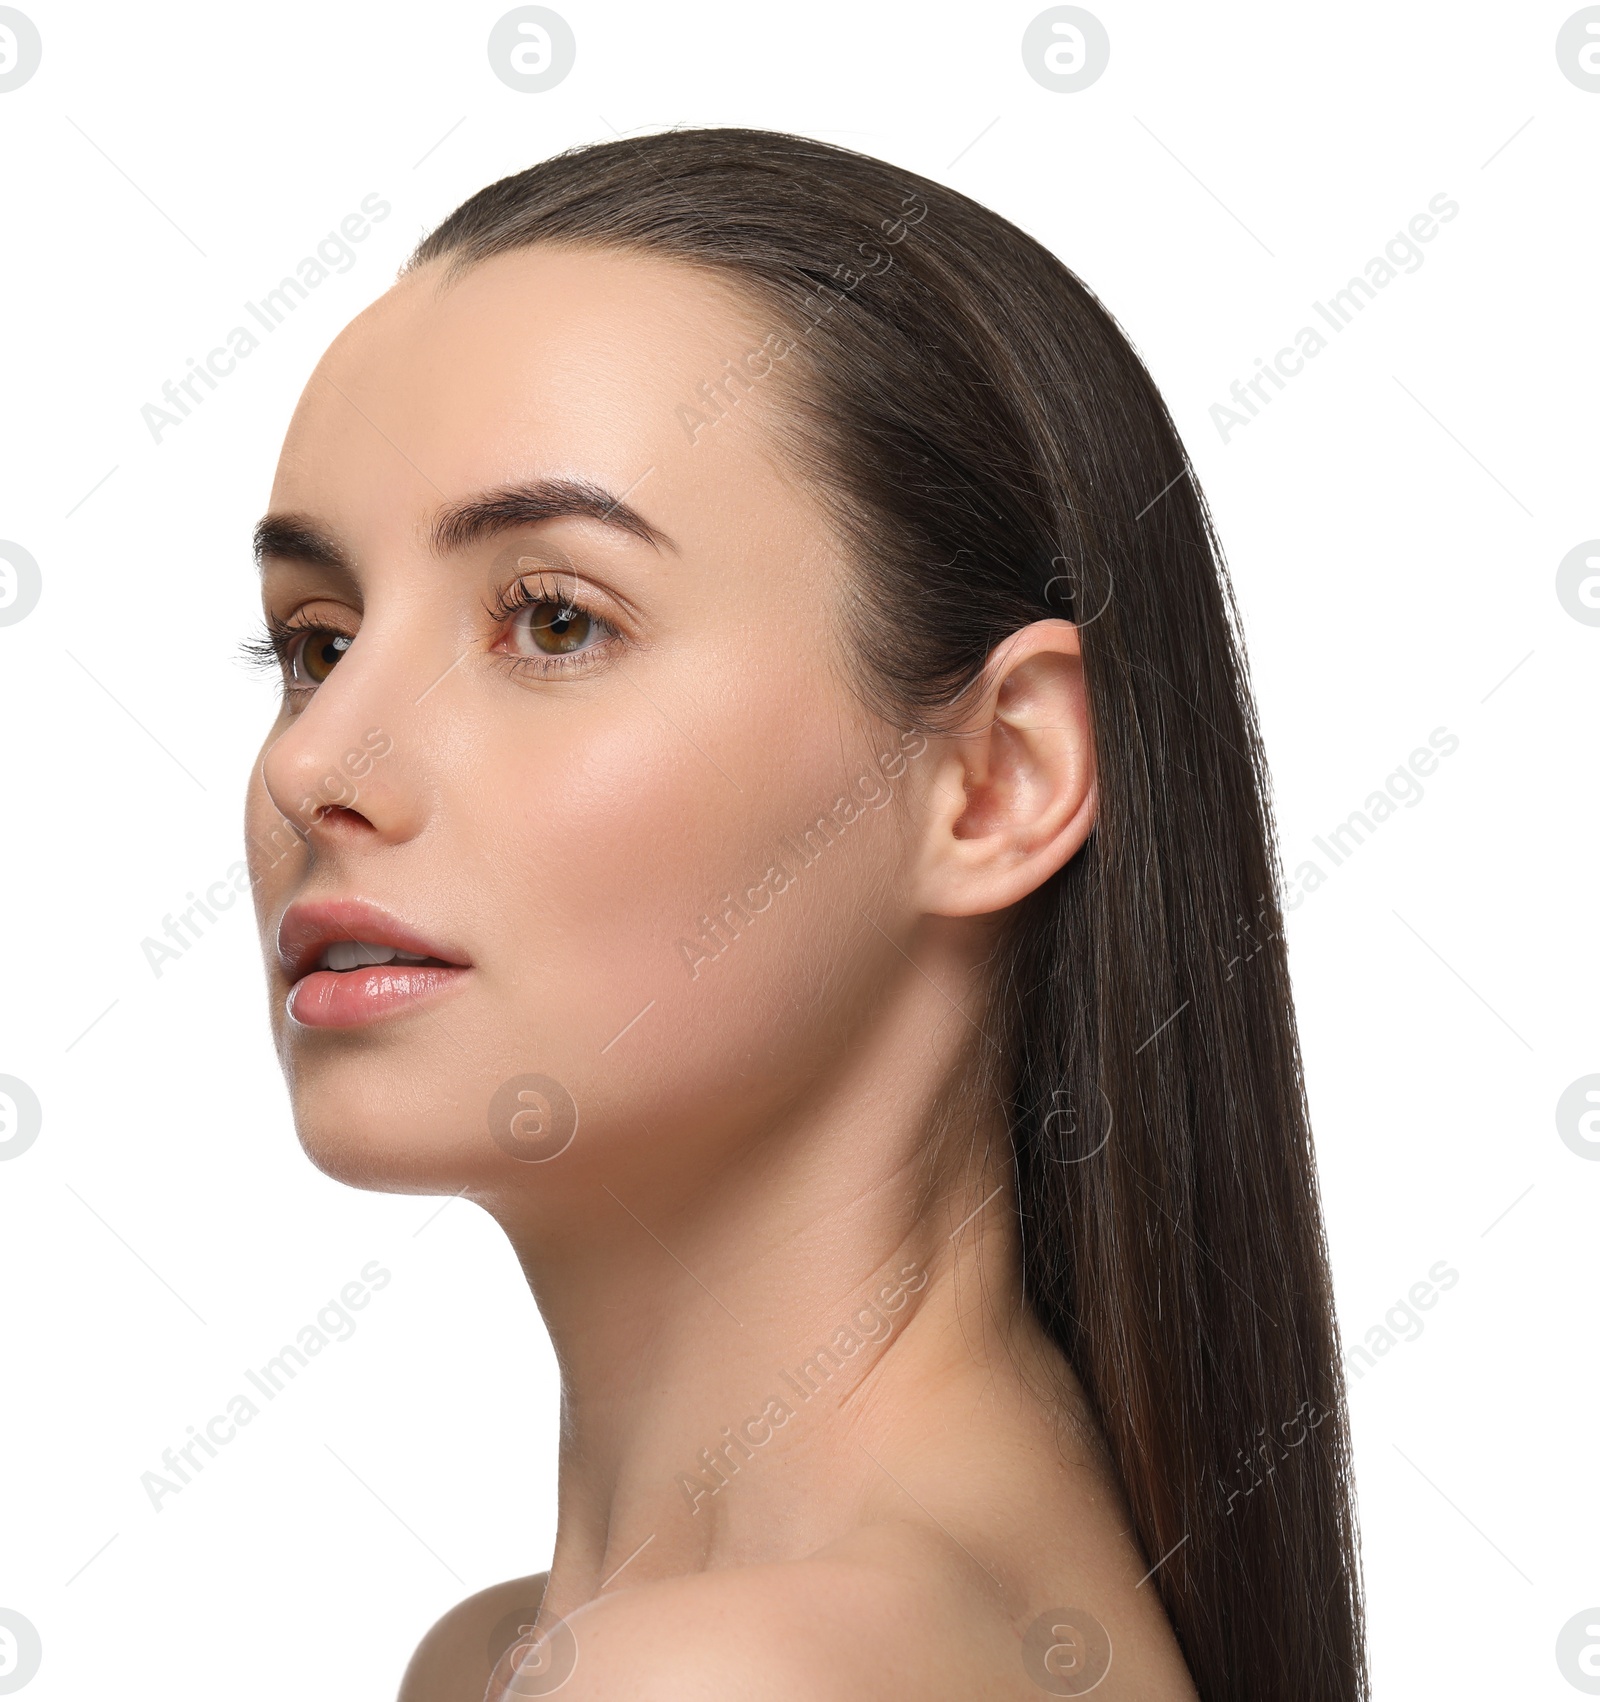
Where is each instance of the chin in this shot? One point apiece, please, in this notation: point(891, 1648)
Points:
point(367, 1124)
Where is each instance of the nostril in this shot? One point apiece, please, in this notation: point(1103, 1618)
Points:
point(339, 817)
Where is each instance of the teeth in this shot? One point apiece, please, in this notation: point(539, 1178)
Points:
point(357, 954)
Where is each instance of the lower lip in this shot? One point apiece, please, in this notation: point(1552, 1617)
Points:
point(351, 998)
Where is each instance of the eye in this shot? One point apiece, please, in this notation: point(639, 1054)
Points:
point(313, 655)
point(303, 652)
point(553, 627)
point(547, 629)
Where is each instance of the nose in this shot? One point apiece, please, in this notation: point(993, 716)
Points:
point(334, 774)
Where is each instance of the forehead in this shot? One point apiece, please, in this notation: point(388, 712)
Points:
point(591, 364)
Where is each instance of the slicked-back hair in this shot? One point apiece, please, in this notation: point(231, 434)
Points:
point(995, 453)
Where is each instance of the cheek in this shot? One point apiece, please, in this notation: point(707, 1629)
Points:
point(648, 976)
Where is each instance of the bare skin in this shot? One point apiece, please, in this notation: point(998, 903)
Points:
point(814, 1444)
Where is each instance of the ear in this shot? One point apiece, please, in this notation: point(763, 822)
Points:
point(1013, 797)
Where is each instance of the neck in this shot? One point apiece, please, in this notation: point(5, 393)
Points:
point(745, 1345)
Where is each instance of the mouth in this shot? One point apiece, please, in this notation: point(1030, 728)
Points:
point(350, 962)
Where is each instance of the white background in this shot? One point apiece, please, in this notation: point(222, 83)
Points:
point(1393, 520)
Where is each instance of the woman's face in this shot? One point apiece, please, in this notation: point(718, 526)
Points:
point(566, 713)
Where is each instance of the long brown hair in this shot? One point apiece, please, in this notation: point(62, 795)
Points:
point(995, 453)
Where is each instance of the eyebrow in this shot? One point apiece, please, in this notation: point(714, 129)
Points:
point(293, 537)
point(493, 512)
point(297, 537)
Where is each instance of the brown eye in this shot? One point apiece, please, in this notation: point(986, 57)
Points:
point(557, 628)
point(318, 652)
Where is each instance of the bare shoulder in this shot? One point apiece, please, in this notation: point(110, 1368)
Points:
point(888, 1613)
point(455, 1660)
point(785, 1631)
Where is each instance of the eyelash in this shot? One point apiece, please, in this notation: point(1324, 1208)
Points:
point(528, 593)
point(272, 647)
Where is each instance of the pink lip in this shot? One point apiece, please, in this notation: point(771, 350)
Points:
point(326, 998)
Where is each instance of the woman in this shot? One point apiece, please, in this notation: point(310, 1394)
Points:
point(778, 821)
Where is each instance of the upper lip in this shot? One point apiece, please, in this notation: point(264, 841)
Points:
point(308, 929)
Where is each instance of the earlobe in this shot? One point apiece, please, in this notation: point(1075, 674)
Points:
point(1020, 795)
